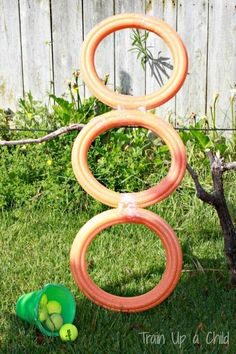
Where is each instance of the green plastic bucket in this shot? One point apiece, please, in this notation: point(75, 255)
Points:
point(27, 306)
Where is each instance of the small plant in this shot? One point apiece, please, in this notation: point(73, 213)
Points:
point(32, 114)
point(203, 133)
point(159, 66)
point(126, 160)
point(75, 110)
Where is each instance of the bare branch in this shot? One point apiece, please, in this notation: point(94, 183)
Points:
point(216, 163)
point(229, 166)
point(60, 131)
point(217, 199)
point(220, 162)
point(201, 192)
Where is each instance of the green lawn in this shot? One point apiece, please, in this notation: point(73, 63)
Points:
point(126, 260)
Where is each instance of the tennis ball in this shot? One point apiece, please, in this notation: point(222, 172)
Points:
point(50, 324)
point(68, 332)
point(54, 322)
point(53, 307)
point(43, 300)
point(43, 313)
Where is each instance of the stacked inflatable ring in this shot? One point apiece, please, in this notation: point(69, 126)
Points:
point(129, 207)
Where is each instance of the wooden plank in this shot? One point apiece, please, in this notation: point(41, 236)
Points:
point(36, 47)
point(195, 40)
point(129, 74)
point(11, 87)
point(166, 11)
point(67, 33)
point(221, 56)
point(94, 12)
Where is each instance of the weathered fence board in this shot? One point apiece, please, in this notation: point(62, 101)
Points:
point(11, 87)
point(195, 39)
point(29, 61)
point(221, 74)
point(94, 12)
point(165, 11)
point(67, 34)
point(130, 78)
point(36, 46)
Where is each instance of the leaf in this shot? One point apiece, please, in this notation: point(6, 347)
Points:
point(64, 104)
point(158, 162)
point(202, 138)
point(162, 149)
point(184, 136)
point(133, 50)
point(138, 56)
point(143, 62)
point(221, 148)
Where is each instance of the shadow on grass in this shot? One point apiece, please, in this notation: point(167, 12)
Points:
point(119, 287)
point(201, 309)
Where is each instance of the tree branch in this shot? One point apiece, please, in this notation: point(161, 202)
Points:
point(201, 192)
point(56, 133)
point(217, 199)
point(229, 166)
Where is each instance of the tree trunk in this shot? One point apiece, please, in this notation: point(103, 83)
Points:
point(226, 222)
point(229, 238)
point(217, 200)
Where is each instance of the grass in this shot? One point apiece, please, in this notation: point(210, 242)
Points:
point(126, 260)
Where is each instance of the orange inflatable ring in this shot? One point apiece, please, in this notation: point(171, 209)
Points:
point(118, 22)
point(139, 303)
point(128, 118)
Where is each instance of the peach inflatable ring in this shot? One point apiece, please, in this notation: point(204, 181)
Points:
point(118, 22)
point(116, 119)
point(127, 304)
point(128, 207)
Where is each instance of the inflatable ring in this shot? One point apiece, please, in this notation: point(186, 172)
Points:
point(118, 22)
point(138, 303)
point(114, 119)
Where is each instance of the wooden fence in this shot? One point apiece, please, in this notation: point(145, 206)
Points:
point(40, 43)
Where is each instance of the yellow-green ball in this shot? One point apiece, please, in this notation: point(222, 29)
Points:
point(68, 332)
point(53, 307)
point(43, 313)
point(54, 322)
point(43, 300)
